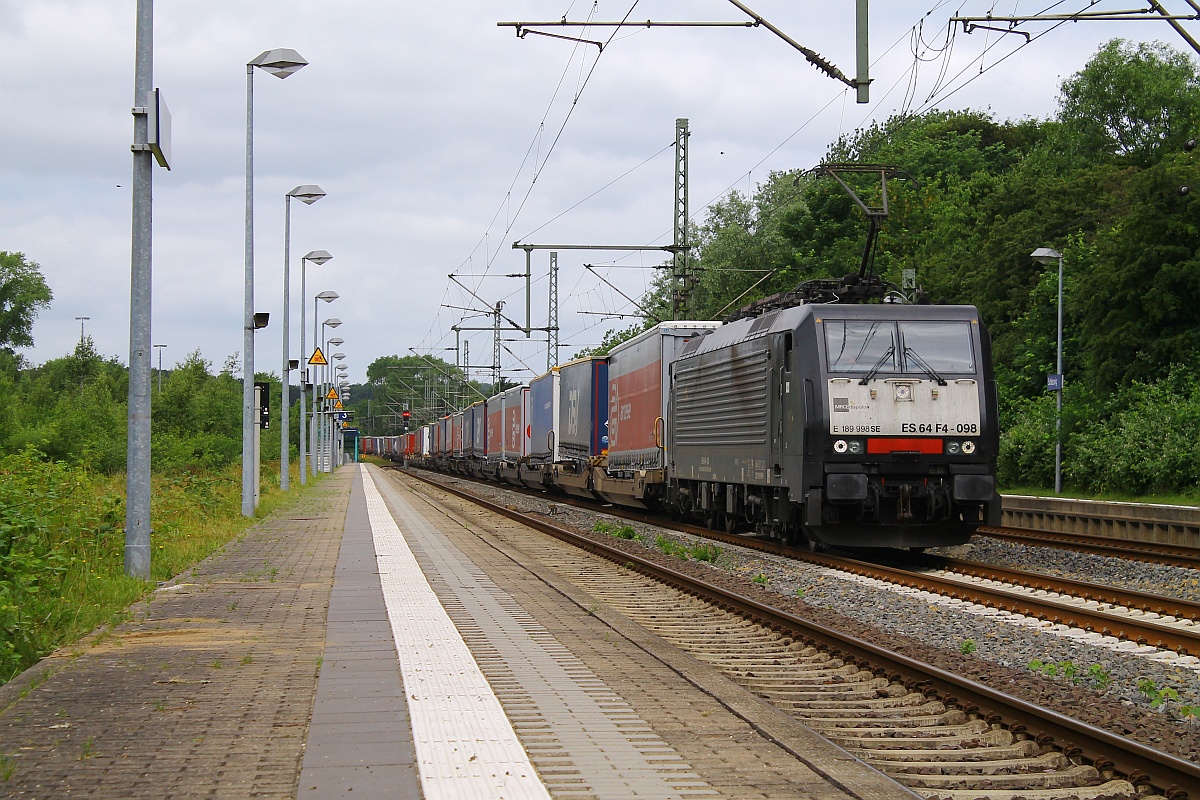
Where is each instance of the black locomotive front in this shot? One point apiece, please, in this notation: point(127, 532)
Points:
point(904, 435)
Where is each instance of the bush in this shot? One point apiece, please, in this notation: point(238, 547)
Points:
point(54, 525)
point(1027, 444)
point(1148, 447)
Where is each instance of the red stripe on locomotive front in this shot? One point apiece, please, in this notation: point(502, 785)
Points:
point(931, 447)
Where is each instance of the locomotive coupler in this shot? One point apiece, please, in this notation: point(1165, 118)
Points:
point(904, 503)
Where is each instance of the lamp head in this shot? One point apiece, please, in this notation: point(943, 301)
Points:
point(328, 296)
point(260, 319)
point(308, 193)
point(317, 256)
point(332, 322)
point(1045, 255)
point(337, 342)
point(280, 62)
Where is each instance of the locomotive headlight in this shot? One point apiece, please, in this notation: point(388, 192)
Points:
point(856, 447)
point(840, 446)
point(968, 447)
point(903, 392)
point(952, 448)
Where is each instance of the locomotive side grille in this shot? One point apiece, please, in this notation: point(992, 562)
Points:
point(724, 403)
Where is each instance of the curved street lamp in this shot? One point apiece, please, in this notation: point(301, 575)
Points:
point(280, 62)
point(308, 194)
point(1044, 256)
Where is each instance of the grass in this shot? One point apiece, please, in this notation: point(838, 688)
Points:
point(1113, 497)
point(65, 534)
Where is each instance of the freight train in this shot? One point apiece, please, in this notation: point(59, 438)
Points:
point(822, 423)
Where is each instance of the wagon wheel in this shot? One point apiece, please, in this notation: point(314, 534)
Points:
point(809, 541)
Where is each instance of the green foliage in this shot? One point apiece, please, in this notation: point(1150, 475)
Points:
point(33, 554)
point(967, 647)
point(1147, 444)
point(670, 547)
point(1100, 677)
point(1155, 694)
point(613, 338)
point(617, 531)
point(1132, 102)
point(1096, 676)
point(23, 292)
point(704, 551)
point(761, 579)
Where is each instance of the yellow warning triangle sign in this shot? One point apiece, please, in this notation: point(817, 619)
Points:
point(333, 395)
point(318, 358)
point(338, 405)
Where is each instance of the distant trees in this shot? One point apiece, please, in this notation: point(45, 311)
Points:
point(428, 387)
point(23, 292)
point(1133, 103)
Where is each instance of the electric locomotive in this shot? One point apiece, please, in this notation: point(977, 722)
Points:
point(868, 425)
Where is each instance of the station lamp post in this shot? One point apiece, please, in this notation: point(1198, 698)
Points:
point(318, 257)
point(330, 422)
point(1047, 255)
point(327, 297)
point(333, 418)
point(322, 432)
point(159, 348)
point(308, 194)
point(280, 62)
point(334, 430)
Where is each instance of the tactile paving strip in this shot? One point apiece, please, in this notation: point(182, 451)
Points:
point(465, 745)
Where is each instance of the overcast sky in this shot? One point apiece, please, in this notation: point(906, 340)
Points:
point(427, 124)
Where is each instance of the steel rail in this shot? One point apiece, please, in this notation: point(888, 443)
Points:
point(1098, 592)
point(1175, 555)
point(1137, 762)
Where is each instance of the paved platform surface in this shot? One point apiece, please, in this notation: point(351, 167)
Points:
point(271, 670)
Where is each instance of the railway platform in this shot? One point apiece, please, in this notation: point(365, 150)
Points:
point(365, 643)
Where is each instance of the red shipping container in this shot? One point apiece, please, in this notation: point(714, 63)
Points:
point(638, 387)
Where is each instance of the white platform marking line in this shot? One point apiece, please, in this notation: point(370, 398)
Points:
point(465, 744)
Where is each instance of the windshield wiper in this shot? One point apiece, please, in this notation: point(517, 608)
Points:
point(891, 351)
point(924, 365)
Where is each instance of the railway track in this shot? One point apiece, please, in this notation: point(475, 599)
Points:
point(1105, 613)
point(1154, 552)
point(943, 735)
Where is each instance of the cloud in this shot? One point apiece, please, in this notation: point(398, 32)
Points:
point(426, 124)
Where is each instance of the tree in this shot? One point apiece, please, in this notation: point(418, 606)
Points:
point(1132, 102)
point(430, 387)
point(23, 292)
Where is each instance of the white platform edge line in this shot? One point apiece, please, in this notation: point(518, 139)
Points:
point(466, 746)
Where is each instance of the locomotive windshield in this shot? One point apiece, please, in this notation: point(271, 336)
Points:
point(862, 346)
